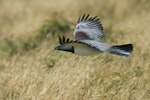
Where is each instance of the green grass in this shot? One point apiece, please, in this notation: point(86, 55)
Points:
point(31, 70)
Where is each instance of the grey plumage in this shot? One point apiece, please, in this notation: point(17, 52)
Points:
point(87, 39)
point(89, 26)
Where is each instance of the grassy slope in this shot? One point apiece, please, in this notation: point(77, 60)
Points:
point(30, 70)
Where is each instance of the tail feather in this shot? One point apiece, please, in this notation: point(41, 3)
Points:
point(122, 50)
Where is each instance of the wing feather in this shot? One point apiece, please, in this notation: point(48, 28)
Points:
point(88, 28)
point(98, 45)
point(64, 40)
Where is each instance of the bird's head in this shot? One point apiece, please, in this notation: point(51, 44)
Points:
point(64, 48)
point(64, 45)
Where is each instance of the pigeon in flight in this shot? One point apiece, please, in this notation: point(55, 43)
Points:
point(88, 34)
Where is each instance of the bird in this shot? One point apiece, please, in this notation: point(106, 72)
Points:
point(87, 40)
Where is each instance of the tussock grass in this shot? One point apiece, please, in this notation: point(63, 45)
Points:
point(31, 70)
point(49, 30)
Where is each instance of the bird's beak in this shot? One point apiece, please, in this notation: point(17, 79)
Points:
point(53, 49)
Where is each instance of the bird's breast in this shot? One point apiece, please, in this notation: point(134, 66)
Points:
point(82, 49)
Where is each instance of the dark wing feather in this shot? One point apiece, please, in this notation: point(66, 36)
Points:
point(64, 40)
point(60, 41)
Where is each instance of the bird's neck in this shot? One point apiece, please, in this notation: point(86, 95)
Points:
point(69, 49)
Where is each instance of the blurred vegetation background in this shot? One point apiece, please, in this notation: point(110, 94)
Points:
point(30, 70)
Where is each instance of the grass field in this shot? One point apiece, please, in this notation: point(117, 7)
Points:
point(31, 70)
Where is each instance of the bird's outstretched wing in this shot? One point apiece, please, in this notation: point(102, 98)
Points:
point(88, 28)
point(95, 44)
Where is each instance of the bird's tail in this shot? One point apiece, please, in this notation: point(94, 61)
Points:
point(122, 50)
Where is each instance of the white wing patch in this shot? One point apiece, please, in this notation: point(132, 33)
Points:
point(88, 28)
